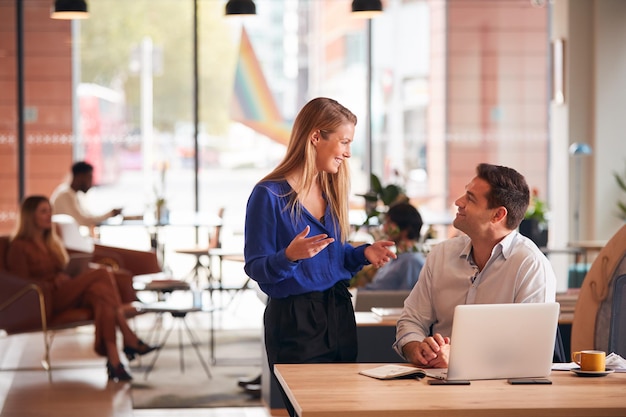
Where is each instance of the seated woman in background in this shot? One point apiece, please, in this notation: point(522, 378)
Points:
point(403, 225)
point(36, 253)
point(68, 232)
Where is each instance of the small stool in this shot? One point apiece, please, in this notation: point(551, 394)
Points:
point(160, 285)
point(179, 314)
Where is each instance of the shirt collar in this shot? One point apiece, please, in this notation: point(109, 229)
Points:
point(505, 246)
point(507, 243)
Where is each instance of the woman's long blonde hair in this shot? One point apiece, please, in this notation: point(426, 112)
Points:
point(326, 115)
point(26, 228)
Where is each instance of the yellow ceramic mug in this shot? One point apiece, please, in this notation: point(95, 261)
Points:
point(590, 360)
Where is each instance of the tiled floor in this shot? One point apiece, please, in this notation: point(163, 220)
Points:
point(79, 387)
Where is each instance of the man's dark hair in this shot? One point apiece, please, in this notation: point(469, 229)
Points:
point(407, 218)
point(81, 167)
point(508, 189)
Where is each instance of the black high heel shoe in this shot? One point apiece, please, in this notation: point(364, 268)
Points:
point(118, 373)
point(141, 349)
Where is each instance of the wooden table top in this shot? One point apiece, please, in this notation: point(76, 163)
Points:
point(367, 318)
point(330, 390)
point(588, 244)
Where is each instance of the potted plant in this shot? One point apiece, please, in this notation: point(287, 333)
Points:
point(535, 223)
point(621, 206)
point(389, 194)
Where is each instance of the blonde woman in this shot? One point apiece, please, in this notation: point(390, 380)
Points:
point(296, 245)
point(36, 253)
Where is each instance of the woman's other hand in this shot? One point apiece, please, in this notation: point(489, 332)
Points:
point(378, 253)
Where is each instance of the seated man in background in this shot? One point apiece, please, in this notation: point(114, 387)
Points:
point(403, 225)
point(492, 263)
point(65, 198)
point(69, 214)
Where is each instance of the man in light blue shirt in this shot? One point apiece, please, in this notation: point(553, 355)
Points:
point(491, 263)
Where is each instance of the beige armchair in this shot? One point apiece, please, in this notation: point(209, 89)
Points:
point(592, 315)
point(25, 305)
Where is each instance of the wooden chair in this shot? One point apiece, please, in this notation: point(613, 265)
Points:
point(213, 250)
point(201, 251)
point(216, 282)
point(593, 311)
point(617, 333)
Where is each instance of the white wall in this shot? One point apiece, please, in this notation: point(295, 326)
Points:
point(594, 112)
point(609, 113)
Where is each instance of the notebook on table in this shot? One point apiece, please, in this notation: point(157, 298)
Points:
point(499, 341)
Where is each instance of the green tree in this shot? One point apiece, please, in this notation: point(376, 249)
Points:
point(115, 27)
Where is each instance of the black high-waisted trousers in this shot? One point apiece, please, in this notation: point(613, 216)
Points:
point(315, 327)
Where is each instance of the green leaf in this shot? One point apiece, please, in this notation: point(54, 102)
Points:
point(376, 186)
point(370, 196)
point(390, 193)
point(620, 181)
point(622, 207)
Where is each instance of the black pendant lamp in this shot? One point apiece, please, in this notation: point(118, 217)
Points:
point(69, 9)
point(240, 7)
point(367, 8)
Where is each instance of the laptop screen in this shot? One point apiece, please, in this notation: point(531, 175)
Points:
point(496, 341)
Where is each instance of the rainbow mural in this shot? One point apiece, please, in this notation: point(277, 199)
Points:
point(253, 103)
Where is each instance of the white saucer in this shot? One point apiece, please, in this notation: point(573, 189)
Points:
point(578, 372)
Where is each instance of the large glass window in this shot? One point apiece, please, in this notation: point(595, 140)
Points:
point(454, 83)
point(138, 59)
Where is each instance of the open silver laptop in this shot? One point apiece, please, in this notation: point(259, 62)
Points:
point(78, 263)
point(497, 341)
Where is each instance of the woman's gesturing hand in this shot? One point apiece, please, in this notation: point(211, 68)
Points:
point(378, 253)
point(302, 247)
